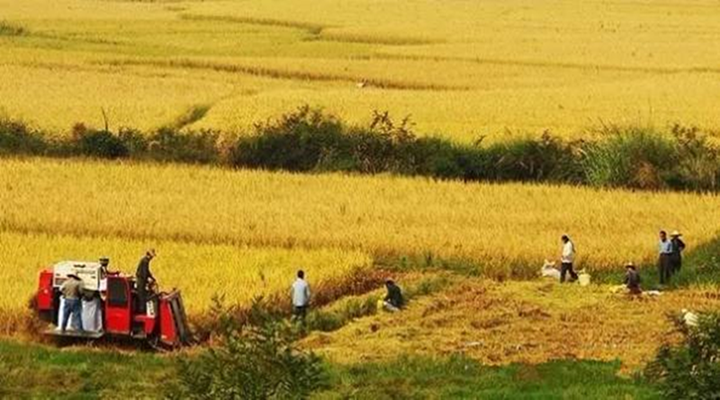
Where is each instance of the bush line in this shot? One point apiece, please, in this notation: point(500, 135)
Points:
point(308, 140)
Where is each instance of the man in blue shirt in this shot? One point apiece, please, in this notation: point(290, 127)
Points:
point(665, 265)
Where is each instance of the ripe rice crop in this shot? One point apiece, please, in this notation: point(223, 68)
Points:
point(200, 271)
point(505, 230)
point(518, 322)
point(461, 69)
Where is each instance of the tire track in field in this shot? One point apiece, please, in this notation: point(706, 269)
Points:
point(275, 73)
point(543, 64)
point(317, 31)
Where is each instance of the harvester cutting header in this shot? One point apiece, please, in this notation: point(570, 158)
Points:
point(85, 300)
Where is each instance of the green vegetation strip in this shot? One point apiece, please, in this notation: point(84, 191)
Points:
point(34, 371)
point(309, 140)
point(461, 378)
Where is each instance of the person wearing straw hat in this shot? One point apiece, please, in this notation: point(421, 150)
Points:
point(677, 248)
point(632, 279)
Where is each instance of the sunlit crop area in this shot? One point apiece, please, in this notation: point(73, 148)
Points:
point(461, 69)
point(504, 229)
point(519, 322)
point(201, 271)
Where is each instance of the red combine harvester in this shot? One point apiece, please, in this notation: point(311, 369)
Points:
point(110, 307)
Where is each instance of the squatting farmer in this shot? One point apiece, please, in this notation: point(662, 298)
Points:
point(394, 299)
point(632, 279)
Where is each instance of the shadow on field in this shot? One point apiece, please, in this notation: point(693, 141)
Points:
point(701, 265)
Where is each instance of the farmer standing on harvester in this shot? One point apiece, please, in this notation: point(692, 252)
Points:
point(143, 276)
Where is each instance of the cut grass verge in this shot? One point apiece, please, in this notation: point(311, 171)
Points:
point(32, 371)
point(461, 378)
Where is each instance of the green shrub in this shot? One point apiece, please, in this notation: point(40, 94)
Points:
point(134, 141)
point(437, 158)
point(546, 159)
point(257, 360)
point(170, 145)
point(17, 138)
point(98, 143)
point(397, 143)
point(298, 141)
point(698, 160)
point(308, 140)
point(692, 369)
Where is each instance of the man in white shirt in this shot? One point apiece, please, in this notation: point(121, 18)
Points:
point(300, 296)
point(567, 259)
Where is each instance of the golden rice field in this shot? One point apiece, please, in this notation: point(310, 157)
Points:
point(505, 228)
point(201, 271)
point(518, 322)
point(461, 69)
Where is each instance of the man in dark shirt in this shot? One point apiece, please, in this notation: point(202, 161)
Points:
point(677, 248)
point(104, 263)
point(394, 299)
point(632, 279)
point(143, 276)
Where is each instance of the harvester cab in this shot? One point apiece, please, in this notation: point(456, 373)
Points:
point(109, 307)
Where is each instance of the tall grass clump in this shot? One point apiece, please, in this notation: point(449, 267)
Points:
point(644, 158)
point(631, 157)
